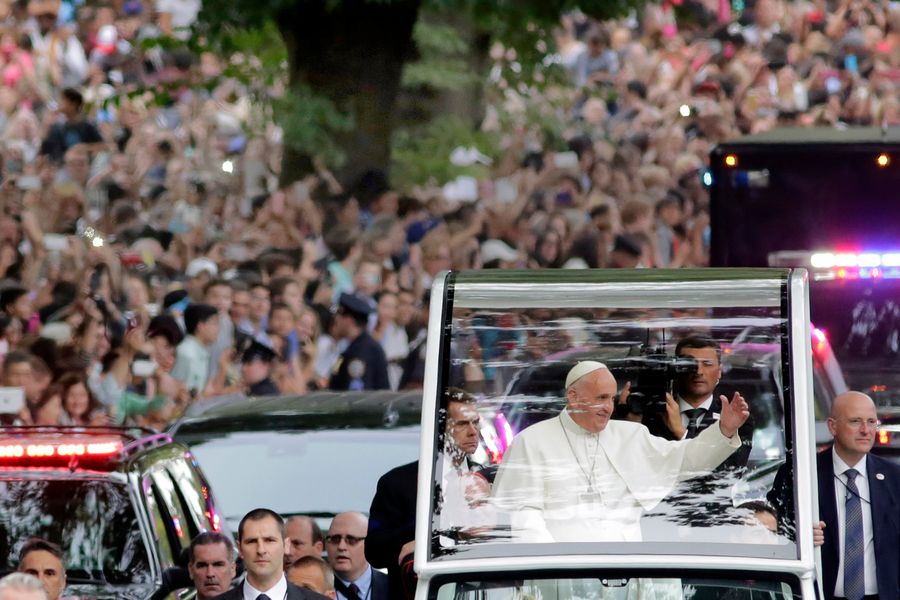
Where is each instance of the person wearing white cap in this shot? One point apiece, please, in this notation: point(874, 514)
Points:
point(582, 477)
point(199, 273)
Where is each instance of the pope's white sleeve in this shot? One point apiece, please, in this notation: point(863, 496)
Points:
point(707, 451)
point(519, 491)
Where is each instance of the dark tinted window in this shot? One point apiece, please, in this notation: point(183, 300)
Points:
point(92, 519)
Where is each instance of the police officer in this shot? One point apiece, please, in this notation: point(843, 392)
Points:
point(256, 370)
point(363, 365)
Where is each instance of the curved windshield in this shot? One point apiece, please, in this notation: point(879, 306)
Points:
point(585, 424)
point(93, 520)
point(288, 470)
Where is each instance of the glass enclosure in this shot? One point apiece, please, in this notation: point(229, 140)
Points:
point(522, 461)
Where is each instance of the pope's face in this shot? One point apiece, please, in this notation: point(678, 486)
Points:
point(592, 399)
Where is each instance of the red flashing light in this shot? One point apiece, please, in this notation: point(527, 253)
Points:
point(820, 340)
point(883, 160)
point(60, 450)
point(884, 437)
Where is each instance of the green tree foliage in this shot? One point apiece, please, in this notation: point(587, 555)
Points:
point(344, 63)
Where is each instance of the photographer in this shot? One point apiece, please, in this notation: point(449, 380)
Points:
point(696, 407)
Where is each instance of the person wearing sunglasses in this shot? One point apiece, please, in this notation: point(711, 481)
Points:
point(354, 577)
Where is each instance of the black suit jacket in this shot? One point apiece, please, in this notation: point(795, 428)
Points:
point(378, 591)
point(392, 523)
point(884, 490)
point(293, 593)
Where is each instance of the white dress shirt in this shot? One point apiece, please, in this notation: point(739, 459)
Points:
point(276, 592)
point(840, 495)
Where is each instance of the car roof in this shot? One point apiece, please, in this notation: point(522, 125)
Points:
point(366, 409)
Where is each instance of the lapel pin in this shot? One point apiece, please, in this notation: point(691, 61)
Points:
point(879, 476)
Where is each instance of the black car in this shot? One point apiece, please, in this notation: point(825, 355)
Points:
point(122, 503)
point(318, 454)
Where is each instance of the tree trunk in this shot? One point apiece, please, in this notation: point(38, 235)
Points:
point(353, 53)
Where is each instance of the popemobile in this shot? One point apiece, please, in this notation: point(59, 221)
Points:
point(630, 426)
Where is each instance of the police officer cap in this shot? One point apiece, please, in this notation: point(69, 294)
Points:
point(258, 350)
point(354, 305)
point(582, 369)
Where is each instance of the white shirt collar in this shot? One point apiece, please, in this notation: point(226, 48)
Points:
point(570, 425)
point(276, 592)
point(840, 466)
point(449, 467)
point(683, 406)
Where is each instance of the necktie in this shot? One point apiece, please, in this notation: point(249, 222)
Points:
point(354, 592)
point(694, 415)
point(263, 597)
point(854, 557)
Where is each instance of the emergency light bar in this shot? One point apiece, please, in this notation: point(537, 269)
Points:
point(842, 265)
point(57, 452)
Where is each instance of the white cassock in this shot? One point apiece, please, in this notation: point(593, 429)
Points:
point(562, 483)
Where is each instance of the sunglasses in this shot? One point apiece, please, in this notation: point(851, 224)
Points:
point(351, 540)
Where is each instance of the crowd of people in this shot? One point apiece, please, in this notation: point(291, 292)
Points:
point(149, 256)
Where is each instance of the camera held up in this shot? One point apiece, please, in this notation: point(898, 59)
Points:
point(652, 375)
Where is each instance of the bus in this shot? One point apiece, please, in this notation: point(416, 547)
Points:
point(624, 525)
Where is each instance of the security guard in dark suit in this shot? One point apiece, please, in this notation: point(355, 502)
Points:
point(363, 365)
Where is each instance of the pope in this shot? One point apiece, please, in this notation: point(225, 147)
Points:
point(580, 477)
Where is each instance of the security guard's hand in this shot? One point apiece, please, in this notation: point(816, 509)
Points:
point(819, 534)
point(673, 418)
point(623, 399)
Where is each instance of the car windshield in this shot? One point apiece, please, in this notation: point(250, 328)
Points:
point(615, 587)
point(92, 519)
point(287, 470)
